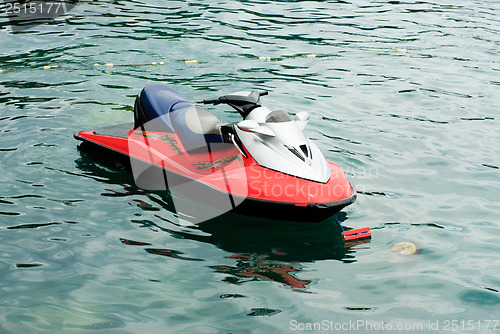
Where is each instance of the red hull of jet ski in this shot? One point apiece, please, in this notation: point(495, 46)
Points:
point(253, 189)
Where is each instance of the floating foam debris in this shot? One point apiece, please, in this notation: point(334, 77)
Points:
point(405, 248)
point(188, 61)
point(153, 63)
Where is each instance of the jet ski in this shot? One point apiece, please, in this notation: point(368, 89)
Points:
point(262, 165)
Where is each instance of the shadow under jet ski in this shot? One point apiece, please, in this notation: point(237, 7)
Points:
point(279, 240)
point(268, 250)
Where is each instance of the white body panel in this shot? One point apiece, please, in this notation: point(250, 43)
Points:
point(279, 144)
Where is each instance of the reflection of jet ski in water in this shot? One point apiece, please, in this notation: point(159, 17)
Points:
point(262, 165)
point(258, 249)
point(272, 251)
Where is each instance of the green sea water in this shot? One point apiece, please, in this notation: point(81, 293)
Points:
point(403, 95)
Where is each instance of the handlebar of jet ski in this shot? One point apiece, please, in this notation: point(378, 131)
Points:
point(222, 99)
point(214, 102)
